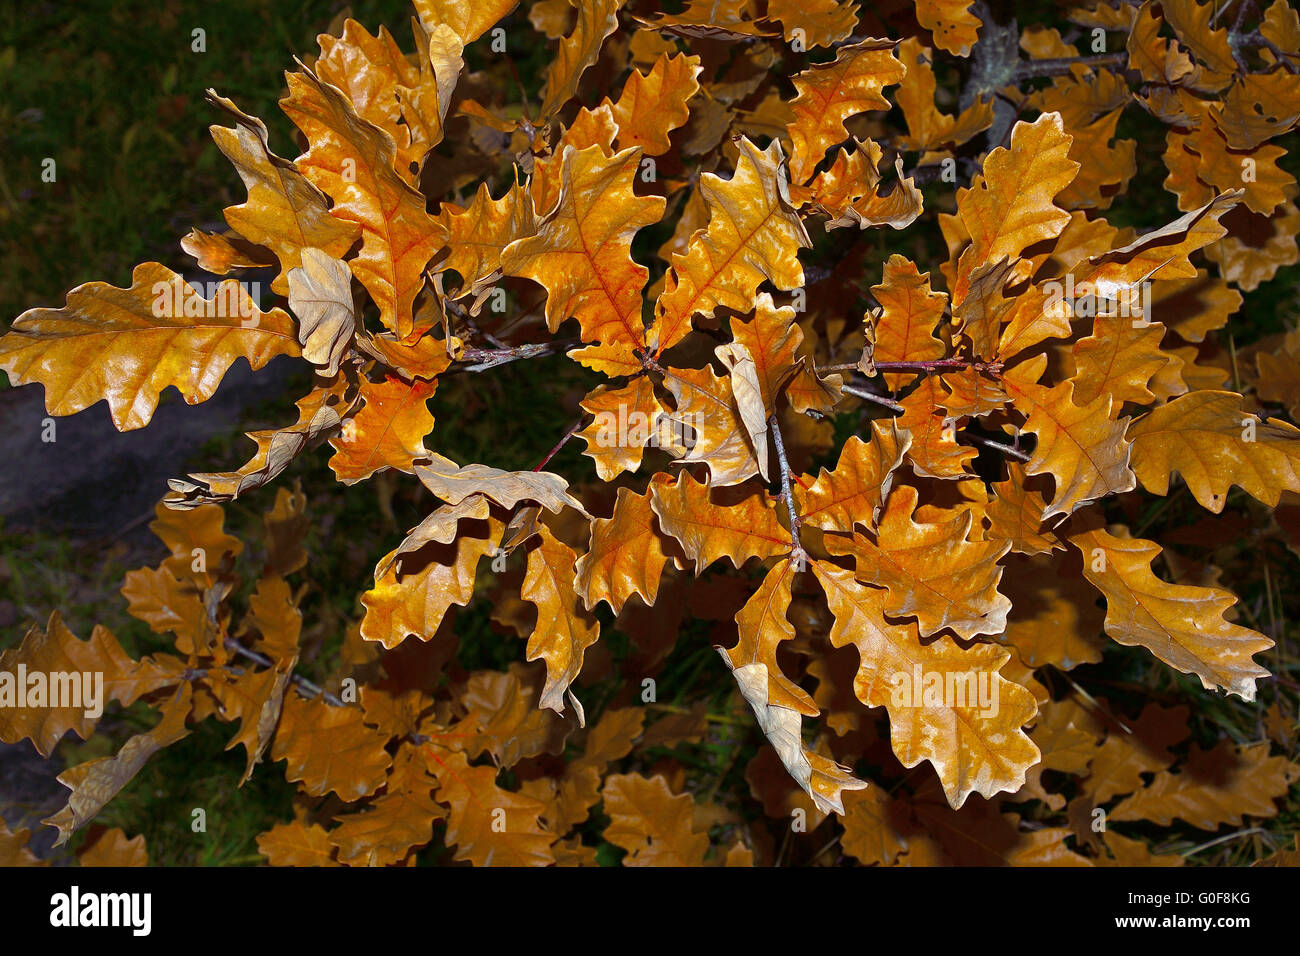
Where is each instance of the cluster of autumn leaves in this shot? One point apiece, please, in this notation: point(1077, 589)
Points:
point(910, 555)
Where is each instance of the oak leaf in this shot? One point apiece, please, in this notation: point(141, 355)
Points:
point(126, 345)
point(1182, 625)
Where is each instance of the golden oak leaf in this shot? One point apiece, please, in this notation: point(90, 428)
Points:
point(753, 235)
point(414, 601)
point(222, 253)
point(830, 93)
point(1157, 60)
point(320, 295)
point(908, 314)
point(708, 405)
point(1214, 787)
point(284, 212)
point(161, 600)
point(763, 624)
point(851, 494)
point(273, 613)
point(504, 719)
point(454, 483)
point(589, 128)
point(1264, 184)
point(489, 825)
point(127, 345)
point(427, 357)
point(981, 312)
point(1015, 514)
point(441, 526)
point(954, 28)
point(582, 252)
point(1209, 439)
point(255, 697)
point(330, 749)
point(480, 232)
point(747, 400)
point(1182, 625)
point(1104, 169)
point(931, 570)
point(625, 421)
point(771, 337)
point(551, 17)
point(1281, 24)
point(737, 524)
point(1119, 358)
point(821, 778)
point(1259, 106)
point(652, 823)
point(1009, 205)
point(1162, 251)
point(319, 412)
point(1130, 751)
point(1046, 847)
point(470, 19)
point(933, 449)
point(1067, 736)
point(1256, 247)
point(1192, 23)
point(927, 127)
point(972, 392)
point(387, 432)
point(1279, 375)
point(53, 682)
point(626, 554)
point(296, 844)
point(98, 781)
point(849, 192)
point(1195, 307)
point(13, 848)
point(870, 833)
point(197, 540)
point(1054, 615)
point(596, 20)
point(564, 628)
point(1134, 853)
point(1287, 856)
point(711, 19)
point(1082, 447)
point(372, 71)
point(653, 104)
point(385, 831)
point(946, 704)
point(814, 23)
point(112, 848)
point(353, 162)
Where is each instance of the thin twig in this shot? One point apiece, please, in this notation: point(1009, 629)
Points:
point(560, 444)
point(797, 553)
point(889, 403)
point(480, 360)
point(313, 690)
point(1007, 450)
point(1060, 66)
